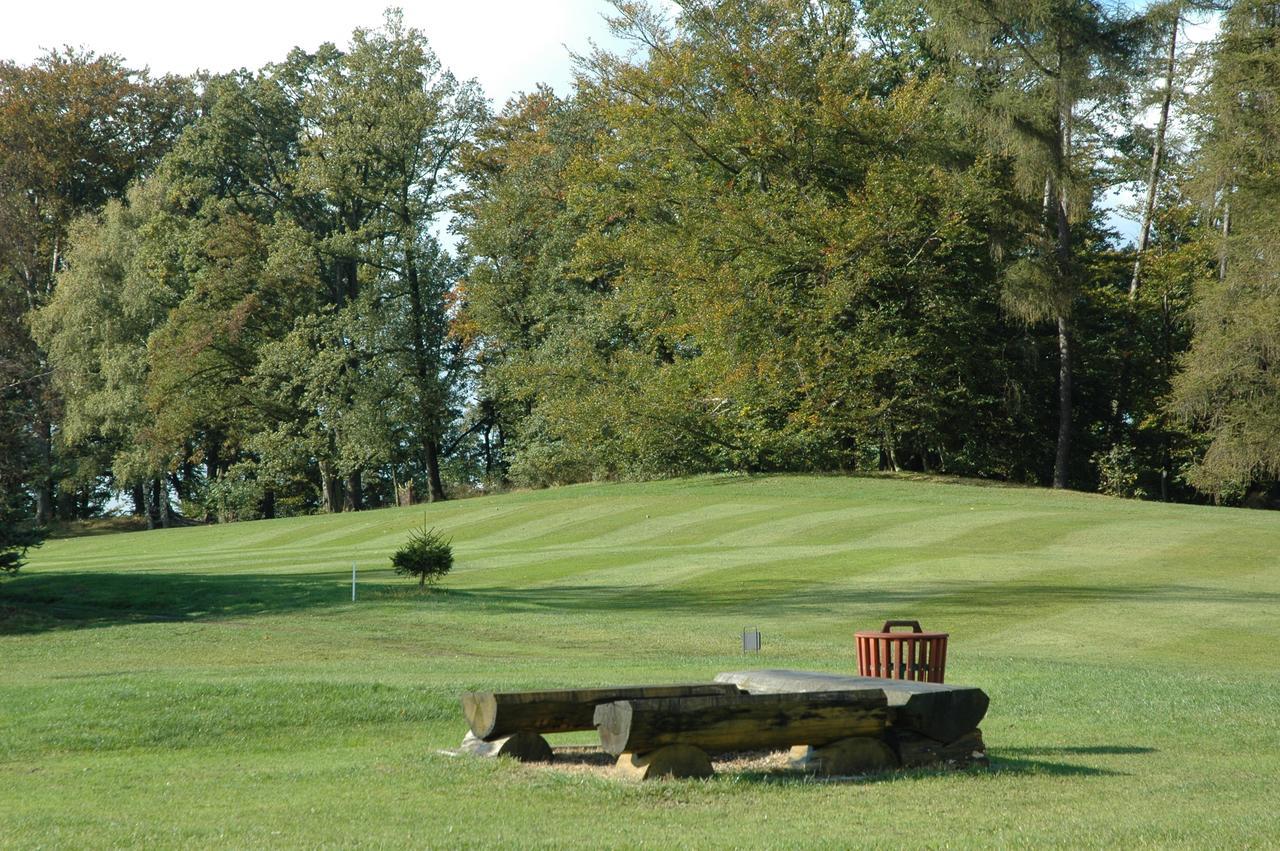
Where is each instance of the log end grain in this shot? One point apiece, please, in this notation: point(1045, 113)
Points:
point(481, 711)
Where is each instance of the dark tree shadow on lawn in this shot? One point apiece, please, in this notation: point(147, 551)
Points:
point(1083, 750)
point(1001, 764)
point(777, 597)
point(38, 602)
point(595, 760)
point(998, 766)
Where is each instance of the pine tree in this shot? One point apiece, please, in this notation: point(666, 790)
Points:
point(1036, 77)
point(1229, 384)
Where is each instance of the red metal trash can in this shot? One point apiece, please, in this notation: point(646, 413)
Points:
point(915, 655)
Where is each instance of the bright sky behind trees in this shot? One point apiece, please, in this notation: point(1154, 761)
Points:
point(508, 45)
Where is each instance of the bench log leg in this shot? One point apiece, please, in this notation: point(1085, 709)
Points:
point(524, 747)
point(915, 750)
point(669, 761)
point(855, 755)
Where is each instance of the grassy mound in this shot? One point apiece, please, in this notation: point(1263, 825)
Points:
point(216, 685)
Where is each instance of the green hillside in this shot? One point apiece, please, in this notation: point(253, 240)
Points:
point(217, 686)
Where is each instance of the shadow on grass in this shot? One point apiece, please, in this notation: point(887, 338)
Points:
point(998, 766)
point(595, 761)
point(38, 602)
point(779, 597)
point(1082, 750)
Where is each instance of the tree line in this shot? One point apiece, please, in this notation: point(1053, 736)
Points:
point(767, 235)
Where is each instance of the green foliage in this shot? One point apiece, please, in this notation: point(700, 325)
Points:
point(272, 306)
point(676, 271)
point(18, 531)
point(75, 129)
point(428, 555)
point(1118, 472)
point(784, 235)
point(1228, 386)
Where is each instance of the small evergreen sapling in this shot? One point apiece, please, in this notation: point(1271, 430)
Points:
point(428, 555)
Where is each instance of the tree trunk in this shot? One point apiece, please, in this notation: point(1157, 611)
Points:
point(162, 501)
point(153, 504)
point(1166, 358)
point(212, 457)
point(330, 489)
point(914, 750)
point(888, 452)
point(1065, 264)
point(212, 463)
point(347, 271)
point(435, 487)
point(1157, 154)
point(267, 508)
point(423, 361)
point(55, 263)
point(44, 487)
point(139, 500)
point(1226, 232)
point(353, 495)
point(1064, 404)
point(844, 758)
point(185, 484)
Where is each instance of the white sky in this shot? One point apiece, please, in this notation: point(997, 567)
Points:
point(508, 45)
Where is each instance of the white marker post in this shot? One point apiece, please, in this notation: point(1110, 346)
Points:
point(353, 581)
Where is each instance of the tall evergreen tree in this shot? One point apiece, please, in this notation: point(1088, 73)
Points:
point(1228, 384)
point(1037, 76)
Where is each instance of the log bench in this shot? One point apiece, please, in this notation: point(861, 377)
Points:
point(834, 725)
point(676, 736)
point(514, 723)
point(928, 723)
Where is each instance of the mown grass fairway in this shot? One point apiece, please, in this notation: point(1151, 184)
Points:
point(215, 686)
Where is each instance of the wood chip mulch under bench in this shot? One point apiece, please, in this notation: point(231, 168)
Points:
point(592, 761)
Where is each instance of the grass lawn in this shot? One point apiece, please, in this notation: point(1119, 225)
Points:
point(216, 686)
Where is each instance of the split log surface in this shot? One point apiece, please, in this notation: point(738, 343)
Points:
point(937, 710)
point(524, 747)
point(671, 761)
point(727, 723)
point(496, 715)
